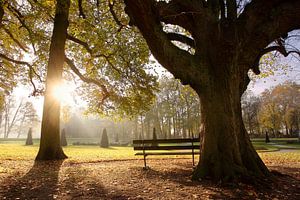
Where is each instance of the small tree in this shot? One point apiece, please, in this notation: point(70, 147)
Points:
point(104, 139)
point(63, 139)
point(267, 137)
point(29, 137)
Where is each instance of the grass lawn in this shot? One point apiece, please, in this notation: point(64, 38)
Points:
point(14, 149)
point(75, 153)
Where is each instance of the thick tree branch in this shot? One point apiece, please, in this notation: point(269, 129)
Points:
point(31, 71)
point(15, 39)
point(114, 14)
point(214, 7)
point(90, 51)
point(222, 9)
point(181, 38)
point(279, 48)
point(81, 12)
point(231, 9)
point(20, 17)
point(276, 18)
point(177, 61)
point(186, 14)
point(82, 43)
point(1, 12)
point(15, 61)
point(88, 80)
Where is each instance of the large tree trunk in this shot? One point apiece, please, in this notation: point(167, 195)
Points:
point(50, 148)
point(226, 151)
point(226, 46)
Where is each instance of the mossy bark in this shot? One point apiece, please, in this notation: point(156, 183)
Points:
point(50, 148)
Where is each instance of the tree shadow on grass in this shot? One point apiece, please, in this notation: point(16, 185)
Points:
point(40, 182)
point(48, 180)
point(84, 183)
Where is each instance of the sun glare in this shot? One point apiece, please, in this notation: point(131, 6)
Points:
point(63, 93)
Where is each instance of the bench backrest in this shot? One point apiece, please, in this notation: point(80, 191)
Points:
point(167, 144)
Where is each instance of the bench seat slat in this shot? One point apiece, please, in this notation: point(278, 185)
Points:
point(184, 140)
point(166, 147)
point(164, 153)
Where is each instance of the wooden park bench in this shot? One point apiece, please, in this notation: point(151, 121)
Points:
point(167, 147)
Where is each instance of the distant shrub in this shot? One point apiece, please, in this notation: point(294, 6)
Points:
point(63, 139)
point(267, 138)
point(85, 143)
point(29, 137)
point(104, 139)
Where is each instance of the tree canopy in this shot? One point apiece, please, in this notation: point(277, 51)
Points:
point(102, 51)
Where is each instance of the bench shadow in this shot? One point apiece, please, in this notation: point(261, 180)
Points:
point(40, 182)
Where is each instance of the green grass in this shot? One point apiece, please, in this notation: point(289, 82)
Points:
point(260, 144)
point(14, 149)
point(82, 153)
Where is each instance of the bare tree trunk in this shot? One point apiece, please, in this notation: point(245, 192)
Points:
point(50, 148)
point(21, 125)
point(6, 122)
point(169, 128)
point(12, 123)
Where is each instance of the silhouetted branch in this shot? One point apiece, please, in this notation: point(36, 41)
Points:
point(181, 38)
point(81, 13)
point(14, 39)
point(88, 80)
point(82, 43)
point(31, 71)
point(20, 17)
point(111, 9)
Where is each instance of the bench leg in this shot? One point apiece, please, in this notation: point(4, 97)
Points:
point(145, 164)
point(193, 157)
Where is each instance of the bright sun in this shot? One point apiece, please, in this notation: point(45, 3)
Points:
point(63, 93)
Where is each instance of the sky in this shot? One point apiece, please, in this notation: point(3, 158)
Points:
point(292, 73)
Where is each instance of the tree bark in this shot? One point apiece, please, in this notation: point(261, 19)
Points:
point(226, 150)
point(50, 148)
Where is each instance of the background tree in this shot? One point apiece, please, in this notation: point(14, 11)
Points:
point(154, 137)
point(27, 117)
point(278, 109)
point(221, 43)
point(104, 139)
point(11, 112)
point(267, 140)
point(251, 106)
